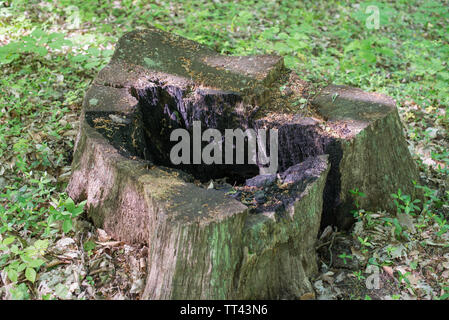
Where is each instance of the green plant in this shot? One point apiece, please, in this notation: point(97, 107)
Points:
point(22, 257)
point(365, 244)
point(413, 265)
point(65, 210)
point(442, 223)
point(390, 250)
point(403, 277)
point(359, 275)
point(431, 206)
point(345, 256)
point(399, 232)
point(89, 246)
point(20, 292)
point(24, 210)
point(22, 260)
point(90, 280)
point(358, 213)
point(404, 204)
point(445, 295)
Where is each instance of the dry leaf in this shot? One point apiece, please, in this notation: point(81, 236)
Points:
point(388, 270)
point(102, 235)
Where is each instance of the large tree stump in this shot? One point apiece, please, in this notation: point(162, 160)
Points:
point(205, 243)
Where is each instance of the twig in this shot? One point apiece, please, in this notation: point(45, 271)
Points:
point(104, 269)
point(330, 249)
point(322, 245)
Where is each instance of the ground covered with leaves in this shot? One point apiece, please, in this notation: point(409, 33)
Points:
point(51, 51)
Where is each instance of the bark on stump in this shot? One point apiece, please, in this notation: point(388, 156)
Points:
point(204, 244)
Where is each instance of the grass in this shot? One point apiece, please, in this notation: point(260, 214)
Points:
point(50, 51)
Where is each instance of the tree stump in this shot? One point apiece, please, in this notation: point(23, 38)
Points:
point(205, 243)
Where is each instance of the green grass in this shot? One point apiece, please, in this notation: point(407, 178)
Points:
point(50, 52)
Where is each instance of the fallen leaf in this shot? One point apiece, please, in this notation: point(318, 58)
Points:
point(308, 296)
point(102, 235)
point(109, 243)
point(388, 270)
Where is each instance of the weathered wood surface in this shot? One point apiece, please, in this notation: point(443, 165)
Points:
point(203, 244)
point(362, 134)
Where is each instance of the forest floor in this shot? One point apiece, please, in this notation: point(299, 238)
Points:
point(51, 51)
